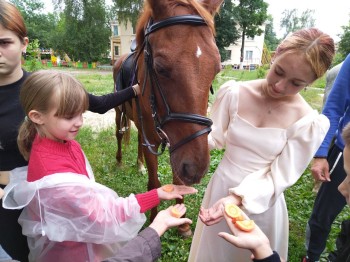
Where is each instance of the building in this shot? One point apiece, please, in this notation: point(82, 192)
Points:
point(121, 38)
point(253, 52)
point(123, 34)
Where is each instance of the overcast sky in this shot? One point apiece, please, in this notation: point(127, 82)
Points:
point(330, 15)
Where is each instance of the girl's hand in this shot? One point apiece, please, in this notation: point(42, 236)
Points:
point(214, 214)
point(177, 192)
point(164, 220)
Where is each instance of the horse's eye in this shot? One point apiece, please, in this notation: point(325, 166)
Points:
point(162, 70)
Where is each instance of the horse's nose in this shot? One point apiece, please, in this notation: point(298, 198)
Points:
point(191, 174)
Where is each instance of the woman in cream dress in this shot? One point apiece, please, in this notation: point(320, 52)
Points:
point(270, 134)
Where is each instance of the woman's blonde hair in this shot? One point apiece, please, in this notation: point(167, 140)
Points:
point(317, 47)
point(42, 91)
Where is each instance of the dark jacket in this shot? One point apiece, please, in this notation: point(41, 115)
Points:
point(145, 247)
point(342, 254)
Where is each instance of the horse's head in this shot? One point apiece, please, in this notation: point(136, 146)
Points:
point(178, 62)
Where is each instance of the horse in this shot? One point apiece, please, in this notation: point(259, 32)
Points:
point(174, 62)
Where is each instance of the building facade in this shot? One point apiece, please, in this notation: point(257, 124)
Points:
point(123, 34)
point(121, 37)
point(253, 52)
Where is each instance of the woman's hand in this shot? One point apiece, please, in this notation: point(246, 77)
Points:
point(177, 192)
point(215, 213)
point(164, 220)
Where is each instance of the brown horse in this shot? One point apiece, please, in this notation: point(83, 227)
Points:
point(175, 61)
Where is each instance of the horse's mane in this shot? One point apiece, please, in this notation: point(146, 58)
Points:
point(191, 4)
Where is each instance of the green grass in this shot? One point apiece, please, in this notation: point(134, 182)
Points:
point(100, 149)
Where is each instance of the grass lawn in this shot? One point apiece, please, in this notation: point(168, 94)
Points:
point(100, 149)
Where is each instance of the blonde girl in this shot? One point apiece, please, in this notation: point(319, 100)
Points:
point(67, 216)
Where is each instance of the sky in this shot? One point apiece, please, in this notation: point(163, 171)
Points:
point(329, 15)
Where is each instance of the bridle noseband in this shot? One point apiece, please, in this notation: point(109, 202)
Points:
point(159, 122)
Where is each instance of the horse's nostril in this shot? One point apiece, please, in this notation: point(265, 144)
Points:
point(190, 174)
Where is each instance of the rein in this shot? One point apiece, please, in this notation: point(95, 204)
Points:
point(150, 73)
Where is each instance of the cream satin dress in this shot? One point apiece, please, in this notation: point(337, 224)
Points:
point(258, 165)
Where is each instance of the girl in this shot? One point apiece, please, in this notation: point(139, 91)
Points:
point(67, 216)
point(270, 134)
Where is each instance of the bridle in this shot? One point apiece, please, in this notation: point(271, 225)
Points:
point(150, 73)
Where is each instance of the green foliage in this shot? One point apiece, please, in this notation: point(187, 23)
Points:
point(291, 21)
point(337, 59)
point(250, 14)
point(33, 61)
point(39, 24)
point(344, 43)
point(271, 39)
point(226, 31)
point(261, 71)
point(127, 10)
point(83, 31)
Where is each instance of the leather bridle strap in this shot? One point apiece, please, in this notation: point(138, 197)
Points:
point(175, 20)
point(151, 75)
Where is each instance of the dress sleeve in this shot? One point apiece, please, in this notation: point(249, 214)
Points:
point(259, 190)
point(223, 109)
point(101, 104)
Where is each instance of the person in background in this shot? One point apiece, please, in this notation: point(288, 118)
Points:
point(57, 189)
point(270, 134)
point(13, 43)
point(330, 77)
point(327, 166)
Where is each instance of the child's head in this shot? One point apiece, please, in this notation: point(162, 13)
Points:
point(344, 187)
point(53, 102)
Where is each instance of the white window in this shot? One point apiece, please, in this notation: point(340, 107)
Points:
point(115, 30)
point(248, 55)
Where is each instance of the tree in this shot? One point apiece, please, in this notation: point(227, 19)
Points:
point(39, 25)
point(127, 10)
point(226, 28)
point(291, 21)
point(251, 14)
point(344, 43)
point(271, 39)
point(83, 31)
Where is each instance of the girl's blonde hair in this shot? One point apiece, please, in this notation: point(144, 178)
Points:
point(42, 91)
point(317, 47)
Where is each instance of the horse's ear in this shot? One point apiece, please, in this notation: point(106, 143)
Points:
point(212, 6)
